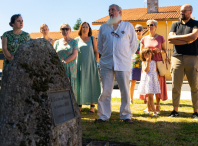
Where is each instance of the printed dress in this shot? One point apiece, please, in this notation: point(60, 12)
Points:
point(152, 44)
point(149, 83)
point(13, 42)
point(64, 51)
point(136, 66)
point(88, 85)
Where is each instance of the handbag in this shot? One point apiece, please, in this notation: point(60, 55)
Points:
point(164, 66)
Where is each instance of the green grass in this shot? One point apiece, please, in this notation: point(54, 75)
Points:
point(145, 130)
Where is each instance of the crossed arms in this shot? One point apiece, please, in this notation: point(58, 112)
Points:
point(183, 39)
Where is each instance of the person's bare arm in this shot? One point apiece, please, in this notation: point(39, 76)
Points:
point(157, 50)
point(163, 47)
point(141, 47)
point(96, 53)
point(175, 41)
point(72, 57)
point(5, 50)
point(187, 37)
point(146, 66)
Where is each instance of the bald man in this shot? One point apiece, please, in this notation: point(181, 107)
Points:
point(183, 35)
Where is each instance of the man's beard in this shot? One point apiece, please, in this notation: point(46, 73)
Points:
point(184, 18)
point(114, 20)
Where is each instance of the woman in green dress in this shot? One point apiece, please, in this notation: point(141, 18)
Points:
point(67, 50)
point(12, 39)
point(88, 89)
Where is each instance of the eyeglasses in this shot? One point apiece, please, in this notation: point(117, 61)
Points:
point(151, 25)
point(114, 34)
point(138, 30)
point(85, 27)
point(65, 29)
point(184, 11)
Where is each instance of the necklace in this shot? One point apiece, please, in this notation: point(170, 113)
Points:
point(65, 42)
point(152, 38)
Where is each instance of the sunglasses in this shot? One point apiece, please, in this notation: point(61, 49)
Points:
point(151, 25)
point(114, 34)
point(138, 30)
point(65, 29)
point(184, 11)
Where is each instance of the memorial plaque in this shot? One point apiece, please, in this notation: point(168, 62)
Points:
point(62, 106)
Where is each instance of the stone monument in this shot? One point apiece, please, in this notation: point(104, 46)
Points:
point(37, 104)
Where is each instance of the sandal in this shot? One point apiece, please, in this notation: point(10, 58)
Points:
point(146, 111)
point(80, 108)
point(92, 111)
point(155, 115)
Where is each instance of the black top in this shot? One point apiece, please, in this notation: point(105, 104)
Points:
point(181, 29)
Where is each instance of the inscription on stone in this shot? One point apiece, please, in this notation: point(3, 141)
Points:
point(62, 106)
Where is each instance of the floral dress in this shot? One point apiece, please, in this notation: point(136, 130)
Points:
point(149, 81)
point(136, 66)
point(64, 51)
point(13, 42)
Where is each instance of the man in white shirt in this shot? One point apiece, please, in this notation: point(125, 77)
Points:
point(117, 42)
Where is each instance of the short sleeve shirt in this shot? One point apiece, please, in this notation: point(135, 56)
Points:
point(153, 44)
point(181, 29)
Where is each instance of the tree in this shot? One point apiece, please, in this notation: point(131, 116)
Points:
point(77, 25)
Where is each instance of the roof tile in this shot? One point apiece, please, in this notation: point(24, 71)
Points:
point(140, 14)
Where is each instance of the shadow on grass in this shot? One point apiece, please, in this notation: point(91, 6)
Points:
point(180, 105)
point(145, 130)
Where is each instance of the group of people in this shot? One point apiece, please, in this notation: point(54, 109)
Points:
point(125, 55)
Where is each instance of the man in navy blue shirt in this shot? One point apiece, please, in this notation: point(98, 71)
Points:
point(183, 35)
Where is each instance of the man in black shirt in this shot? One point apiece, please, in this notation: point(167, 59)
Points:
point(183, 35)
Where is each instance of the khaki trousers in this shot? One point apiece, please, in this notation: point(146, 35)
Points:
point(181, 65)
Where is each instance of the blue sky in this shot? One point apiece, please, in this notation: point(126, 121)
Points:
point(56, 12)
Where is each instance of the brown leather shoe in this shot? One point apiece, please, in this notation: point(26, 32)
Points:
point(128, 121)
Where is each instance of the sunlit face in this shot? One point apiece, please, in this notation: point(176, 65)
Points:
point(113, 12)
point(185, 13)
point(18, 23)
point(65, 31)
point(44, 30)
point(151, 26)
point(85, 28)
point(138, 31)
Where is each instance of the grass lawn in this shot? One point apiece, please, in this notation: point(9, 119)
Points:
point(145, 130)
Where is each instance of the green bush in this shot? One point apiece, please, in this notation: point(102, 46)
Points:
point(1, 50)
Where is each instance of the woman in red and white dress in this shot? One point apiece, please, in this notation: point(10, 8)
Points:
point(155, 42)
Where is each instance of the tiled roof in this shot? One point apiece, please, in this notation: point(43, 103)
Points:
point(73, 34)
point(140, 14)
point(57, 35)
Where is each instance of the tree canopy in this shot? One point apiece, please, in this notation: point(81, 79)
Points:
point(77, 25)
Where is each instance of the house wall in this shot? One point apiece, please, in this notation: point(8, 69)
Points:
point(162, 30)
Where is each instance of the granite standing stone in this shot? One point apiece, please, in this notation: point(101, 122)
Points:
point(26, 116)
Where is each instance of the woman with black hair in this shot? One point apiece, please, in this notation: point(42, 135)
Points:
point(13, 38)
